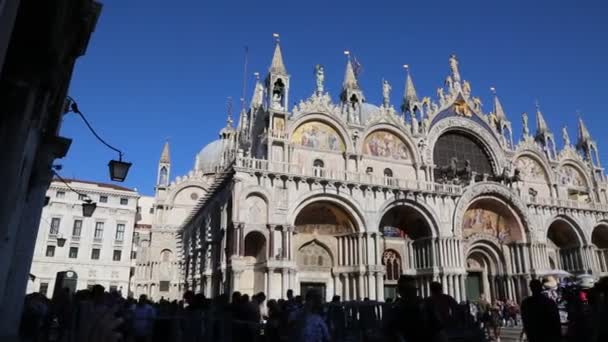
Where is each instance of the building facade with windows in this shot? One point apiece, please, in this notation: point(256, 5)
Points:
point(89, 250)
point(342, 195)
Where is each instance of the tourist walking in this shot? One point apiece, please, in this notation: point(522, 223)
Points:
point(540, 316)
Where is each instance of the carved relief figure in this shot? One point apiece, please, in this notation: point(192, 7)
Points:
point(466, 87)
point(531, 170)
point(318, 135)
point(386, 145)
point(570, 176)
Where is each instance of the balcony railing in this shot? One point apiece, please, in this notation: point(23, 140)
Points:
point(345, 176)
point(75, 238)
point(296, 170)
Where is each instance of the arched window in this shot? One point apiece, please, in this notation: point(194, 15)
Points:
point(392, 262)
point(163, 176)
point(318, 166)
point(462, 147)
point(165, 255)
point(388, 176)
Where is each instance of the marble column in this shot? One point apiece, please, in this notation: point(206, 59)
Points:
point(360, 256)
point(380, 286)
point(457, 285)
point(347, 286)
point(284, 283)
point(463, 290)
point(371, 285)
point(360, 286)
point(444, 283)
point(335, 279)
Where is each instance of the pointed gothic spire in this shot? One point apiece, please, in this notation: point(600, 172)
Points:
point(541, 124)
point(277, 66)
point(350, 80)
point(410, 98)
point(583, 133)
point(165, 157)
point(498, 111)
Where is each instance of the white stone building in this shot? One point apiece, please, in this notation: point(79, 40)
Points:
point(97, 249)
point(344, 196)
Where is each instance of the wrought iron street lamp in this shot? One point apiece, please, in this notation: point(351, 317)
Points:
point(60, 240)
point(88, 208)
point(118, 168)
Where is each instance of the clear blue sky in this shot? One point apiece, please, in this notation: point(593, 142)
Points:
point(158, 69)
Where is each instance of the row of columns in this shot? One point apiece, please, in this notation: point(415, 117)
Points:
point(358, 249)
point(358, 285)
point(449, 252)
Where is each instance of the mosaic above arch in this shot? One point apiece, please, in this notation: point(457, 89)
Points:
point(491, 219)
point(318, 135)
point(385, 144)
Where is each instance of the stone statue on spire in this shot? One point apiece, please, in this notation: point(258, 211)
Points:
point(524, 118)
point(320, 78)
point(454, 68)
point(386, 92)
point(565, 136)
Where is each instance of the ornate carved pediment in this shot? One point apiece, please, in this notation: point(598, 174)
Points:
point(317, 103)
point(528, 143)
point(469, 241)
point(386, 115)
point(569, 153)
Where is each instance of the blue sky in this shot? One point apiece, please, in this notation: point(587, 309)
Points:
point(156, 69)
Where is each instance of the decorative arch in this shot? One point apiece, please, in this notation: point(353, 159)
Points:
point(295, 128)
point(468, 127)
point(487, 189)
point(491, 250)
point(349, 206)
point(255, 246)
point(572, 224)
point(406, 140)
point(599, 235)
point(257, 209)
point(314, 254)
point(564, 178)
point(489, 216)
point(424, 210)
point(179, 190)
point(166, 255)
point(540, 161)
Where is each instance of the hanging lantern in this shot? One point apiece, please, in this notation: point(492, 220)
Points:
point(88, 208)
point(118, 170)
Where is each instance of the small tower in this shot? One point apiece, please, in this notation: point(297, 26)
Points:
point(277, 81)
point(587, 145)
point(544, 137)
point(164, 168)
point(351, 95)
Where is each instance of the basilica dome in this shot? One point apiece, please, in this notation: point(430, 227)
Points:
point(210, 157)
point(367, 111)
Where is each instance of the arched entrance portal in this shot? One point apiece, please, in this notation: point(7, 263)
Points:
point(409, 237)
point(326, 238)
point(253, 277)
point(599, 239)
point(494, 234)
point(564, 247)
point(485, 268)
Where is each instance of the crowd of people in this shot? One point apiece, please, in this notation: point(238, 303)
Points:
point(96, 315)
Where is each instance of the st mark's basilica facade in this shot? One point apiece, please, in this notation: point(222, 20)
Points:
point(344, 196)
